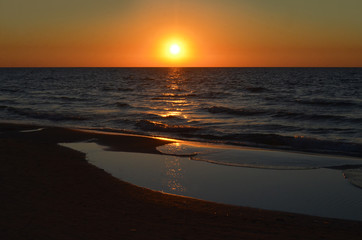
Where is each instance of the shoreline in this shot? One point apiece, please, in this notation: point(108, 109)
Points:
point(51, 192)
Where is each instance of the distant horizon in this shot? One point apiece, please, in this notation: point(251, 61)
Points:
point(190, 67)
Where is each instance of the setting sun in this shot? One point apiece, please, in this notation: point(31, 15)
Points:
point(175, 49)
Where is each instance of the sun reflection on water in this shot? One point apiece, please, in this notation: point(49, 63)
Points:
point(175, 106)
point(172, 114)
point(174, 174)
point(174, 103)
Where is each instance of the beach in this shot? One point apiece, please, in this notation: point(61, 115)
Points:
point(52, 192)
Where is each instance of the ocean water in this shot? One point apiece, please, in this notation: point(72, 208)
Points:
point(299, 109)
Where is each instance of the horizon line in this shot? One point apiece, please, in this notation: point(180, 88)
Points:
point(182, 67)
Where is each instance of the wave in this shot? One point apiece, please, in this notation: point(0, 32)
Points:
point(119, 89)
point(182, 95)
point(327, 102)
point(107, 89)
point(276, 141)
point(273, 127)
point(255, 89)
point(53, 116)
point(147, 78)
point(68, 98)
point(125, 89)
point(281, 114)
point(123, 105)
point(49, 78)
point(129, 77)
point(8, 101)
point(147, 125)
point(316, 117)
point(240, 112)
point(212, 95)
point(166, 96)
point(9, 90)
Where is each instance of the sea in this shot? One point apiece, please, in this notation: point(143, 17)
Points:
point(316, 110)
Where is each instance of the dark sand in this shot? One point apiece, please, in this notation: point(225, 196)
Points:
point(51, 192)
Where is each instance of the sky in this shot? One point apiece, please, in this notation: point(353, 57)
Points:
point(210, 33)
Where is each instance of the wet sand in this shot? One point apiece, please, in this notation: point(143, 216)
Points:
point(51, 192)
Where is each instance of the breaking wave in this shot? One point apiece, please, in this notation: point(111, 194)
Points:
point(148, 125)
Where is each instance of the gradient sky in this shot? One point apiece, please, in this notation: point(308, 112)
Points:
point(135, 33)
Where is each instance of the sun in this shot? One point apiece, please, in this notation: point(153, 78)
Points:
point(175, 49)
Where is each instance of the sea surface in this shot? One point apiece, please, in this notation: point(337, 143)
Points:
point(299, 109)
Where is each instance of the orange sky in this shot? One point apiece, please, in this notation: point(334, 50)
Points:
point(225, 33)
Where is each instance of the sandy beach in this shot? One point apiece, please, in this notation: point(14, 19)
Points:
point(52, 192)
